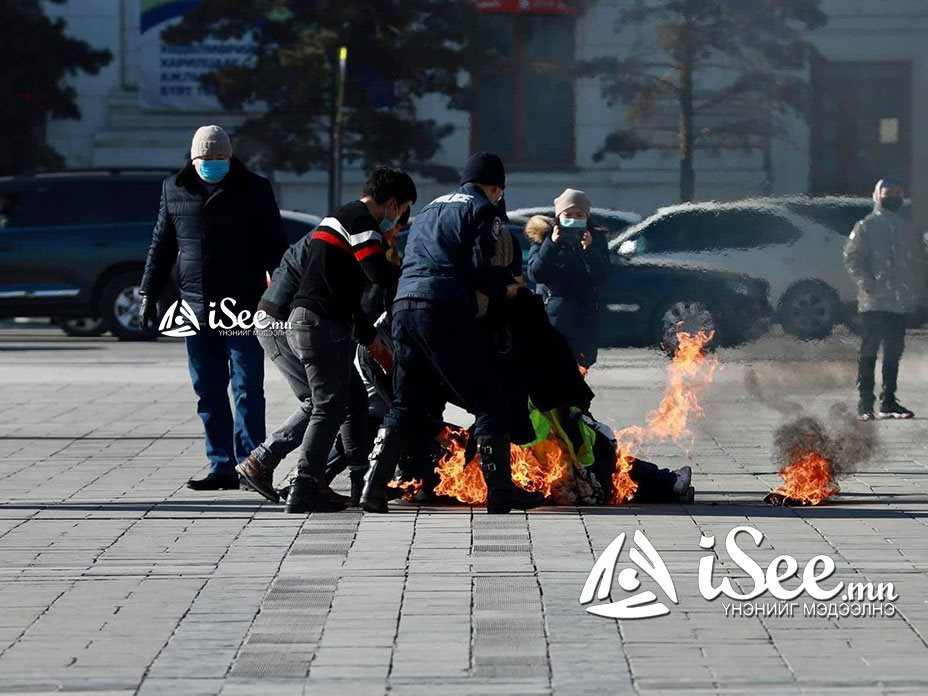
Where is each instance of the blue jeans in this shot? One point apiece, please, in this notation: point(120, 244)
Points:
point(215, 361)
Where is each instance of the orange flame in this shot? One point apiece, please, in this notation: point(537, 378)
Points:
point(456, 477)
point(544, 467)
point(536, 469)
point(808, 478)
point(409, 488)
point(691, 370)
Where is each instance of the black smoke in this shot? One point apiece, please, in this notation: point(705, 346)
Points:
point(842, 439)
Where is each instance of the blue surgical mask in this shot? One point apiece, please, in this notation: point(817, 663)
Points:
point(387, 224)
point(212, 171)
point(572, 223)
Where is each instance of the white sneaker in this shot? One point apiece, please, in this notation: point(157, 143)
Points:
point(684, 477)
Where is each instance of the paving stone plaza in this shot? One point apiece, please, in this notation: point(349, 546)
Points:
point(116, 579)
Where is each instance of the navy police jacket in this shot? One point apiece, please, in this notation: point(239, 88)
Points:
point(448, 252)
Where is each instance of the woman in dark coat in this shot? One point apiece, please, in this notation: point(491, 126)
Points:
point(568, 261)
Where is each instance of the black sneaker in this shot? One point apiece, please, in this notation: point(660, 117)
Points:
point(894, 409)
point(865, 411)
point(215, 482)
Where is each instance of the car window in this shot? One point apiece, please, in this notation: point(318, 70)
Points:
point(743, 229)
point(61, 203)
point(707, 230)
point(133, 200)
point(296, 229)
point(676, 232)
point(838, 218)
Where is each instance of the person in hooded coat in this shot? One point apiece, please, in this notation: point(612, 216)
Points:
point(568, 260)
point(885, 256)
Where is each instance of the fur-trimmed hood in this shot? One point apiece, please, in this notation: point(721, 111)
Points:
point(538, 227)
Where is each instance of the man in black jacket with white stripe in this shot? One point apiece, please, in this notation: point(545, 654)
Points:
point(345, 253)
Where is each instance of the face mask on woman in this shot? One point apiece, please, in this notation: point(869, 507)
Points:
point(572, 223)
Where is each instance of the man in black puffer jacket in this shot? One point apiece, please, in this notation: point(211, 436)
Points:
point(221, 224)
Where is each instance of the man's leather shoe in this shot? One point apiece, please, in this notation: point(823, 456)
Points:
point(259, 478)
point(214, 482)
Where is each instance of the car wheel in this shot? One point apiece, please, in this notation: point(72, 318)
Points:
point(809, 311)
point(81, 327)
point(684, 316)
point(119, 306)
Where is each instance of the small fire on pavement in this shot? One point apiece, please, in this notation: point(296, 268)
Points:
point(808, 479)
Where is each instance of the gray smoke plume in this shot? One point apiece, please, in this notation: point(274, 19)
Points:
point(845, 441)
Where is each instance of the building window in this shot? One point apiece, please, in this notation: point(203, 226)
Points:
point(524, 107)
point(861, 125)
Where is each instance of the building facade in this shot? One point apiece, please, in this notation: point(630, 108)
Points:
point(869, 90)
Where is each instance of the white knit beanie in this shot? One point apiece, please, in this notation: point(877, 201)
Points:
point(210, 141)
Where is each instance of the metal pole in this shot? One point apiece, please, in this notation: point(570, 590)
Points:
point(335, 175)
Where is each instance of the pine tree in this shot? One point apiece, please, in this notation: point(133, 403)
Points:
point(37, 55)
point(728, 69)
point(398, 52)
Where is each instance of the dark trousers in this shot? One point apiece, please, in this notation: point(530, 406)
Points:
point(442, 354)
point(888, 329)
point(337, 400)
point(215, 362)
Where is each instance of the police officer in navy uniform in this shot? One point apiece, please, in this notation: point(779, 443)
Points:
point(440, 347)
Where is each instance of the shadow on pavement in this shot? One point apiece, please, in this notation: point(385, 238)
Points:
point(33, 347)
point(236, 505)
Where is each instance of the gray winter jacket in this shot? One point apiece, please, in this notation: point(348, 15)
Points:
point(885, 256)
point(285, 280)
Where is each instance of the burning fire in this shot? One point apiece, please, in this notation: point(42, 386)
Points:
point(808, 479)
point(409, 488)
point(536, 469)
point(690, 371)
point(545, 466)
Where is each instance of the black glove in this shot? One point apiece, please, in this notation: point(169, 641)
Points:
point(148, 314)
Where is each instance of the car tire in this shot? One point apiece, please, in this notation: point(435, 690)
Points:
point(119, 304)
point(809, 310)
point(81, 327)
point(690, 315)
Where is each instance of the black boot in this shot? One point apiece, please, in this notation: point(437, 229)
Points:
point(502, 493)
point(388, 448)
point(309, 495)
point(357, 485)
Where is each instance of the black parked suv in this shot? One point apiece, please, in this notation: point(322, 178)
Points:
point(73, 246)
